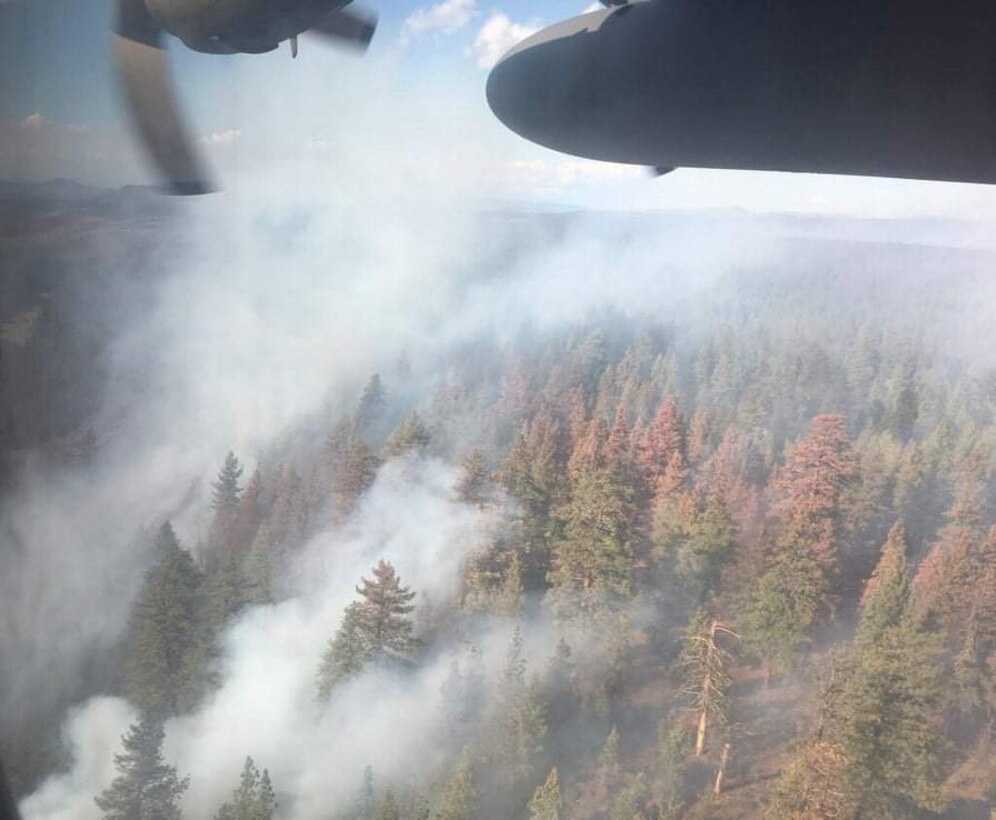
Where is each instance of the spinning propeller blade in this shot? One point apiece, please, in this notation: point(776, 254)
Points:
point(347, 26)
point(145, 78)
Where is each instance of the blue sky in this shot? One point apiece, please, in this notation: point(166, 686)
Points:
point(59, 112)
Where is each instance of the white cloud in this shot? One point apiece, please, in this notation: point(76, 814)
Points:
point(592, 7)
point(35, 120)
point(587, 170)
point(222, 137)
point(551, 176)
point(498, 35)
point(447, 17)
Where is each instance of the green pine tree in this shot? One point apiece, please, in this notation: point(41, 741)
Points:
point(254, 799)
point(412, 436)
point(345, 656)
point(165, 661)
point(146, 788)
point(895, 755)
point(225, 492)
point(520, 721)
point(458, 800)
point(594, 560)
point(377, 628)
point(547, 803)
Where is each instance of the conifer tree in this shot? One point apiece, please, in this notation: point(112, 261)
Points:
point(532, 475)
point(458, 800)
point(372, 405)
point(608, 774)
point(698, 436)
point(472, 487)
point(354, 469)
point(226, 489)
point(809, 493)
point(562, 700)
point(228, 590)
point(547, 802)
point(593, 562)
point(895, 755)
point(509, 596)
point(706, 671)
point(377, 628)
point(412, 436)
point(661, 445)
point(671, 749)
point(383, 616)
point(798, 586)
point(520, 721)
point(146, 788)
point(886, 596)
point(629, 803)
point(254, 799)
point(164, 666)
point(250, 513)
point(346, 655)
point(225, 493)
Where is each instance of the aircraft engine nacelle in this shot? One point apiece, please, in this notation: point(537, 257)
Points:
point(229, 26)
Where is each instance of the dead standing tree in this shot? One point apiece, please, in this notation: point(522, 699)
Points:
point(706, 665)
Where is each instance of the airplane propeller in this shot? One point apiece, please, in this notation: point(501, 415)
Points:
point(252, 26)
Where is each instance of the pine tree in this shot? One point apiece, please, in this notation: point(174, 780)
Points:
point(593, 563)
point(472, 487)
point(547, 802)
point(226, 489)
point(887, 593)
point(661, 445)
point(532, 474)
point(458, 800)
point(798, 586)
point(520, 725)
point(412, 436)
point(254, 799)
point(509, 596)
point(672, 741)
point(346, 655)
point(228, 589)
point(146, 788)
point(354, 468)
point(809, 492)
point(561, 698)
point(705, 664)
point(382, 617)
point(698, 436)
point(463, 693)
point(225, 493)
point(375, 629)
point(372, 406)
point(895, 755)
point(813, 785)
point(630, 801)
point(165, 653)
point(608, 774)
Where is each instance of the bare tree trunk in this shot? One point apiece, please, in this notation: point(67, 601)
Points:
point(700, 735)
point(721, 772)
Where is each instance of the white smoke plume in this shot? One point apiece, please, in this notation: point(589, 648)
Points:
point(267, 704)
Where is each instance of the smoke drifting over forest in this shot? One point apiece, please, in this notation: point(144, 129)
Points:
point(251, 322)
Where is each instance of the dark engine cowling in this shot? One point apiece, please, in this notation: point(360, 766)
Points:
point(229, 26)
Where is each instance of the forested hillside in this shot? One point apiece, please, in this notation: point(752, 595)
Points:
point(731, 558)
